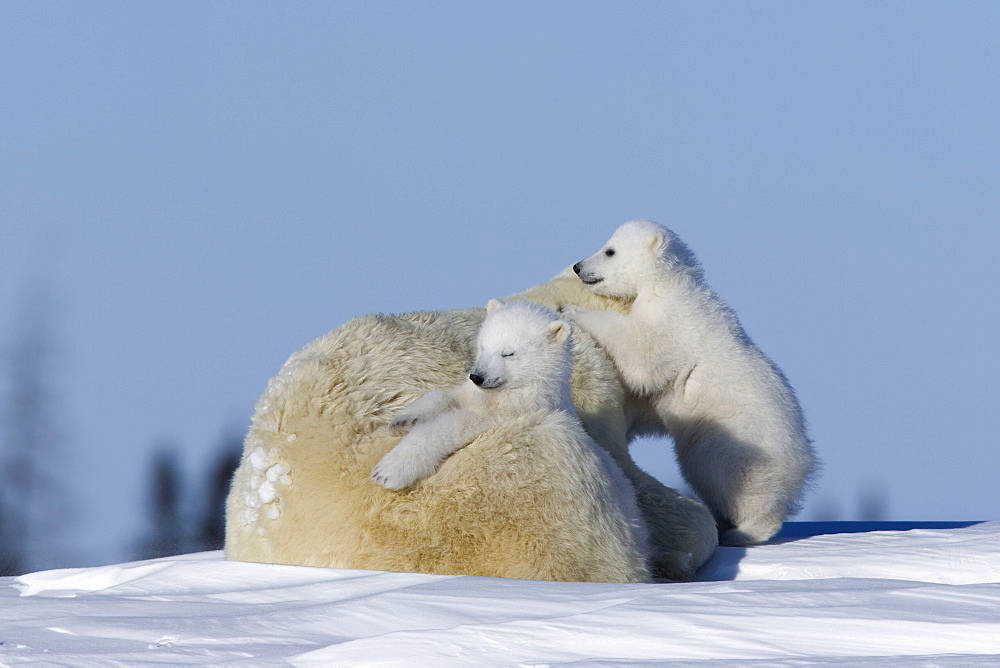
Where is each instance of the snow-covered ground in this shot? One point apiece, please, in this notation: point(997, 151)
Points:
point(924, 596)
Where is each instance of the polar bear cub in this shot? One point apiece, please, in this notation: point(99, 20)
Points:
point(523, 365)
point(738, 430)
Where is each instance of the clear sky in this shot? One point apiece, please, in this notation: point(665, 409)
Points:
point(204, 187)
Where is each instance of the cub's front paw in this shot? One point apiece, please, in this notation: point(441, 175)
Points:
point(397, 470)
point(570, 310)
point(404, 422)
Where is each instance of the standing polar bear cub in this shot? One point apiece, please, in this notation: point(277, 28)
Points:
point(737, 427)
point(523, 366)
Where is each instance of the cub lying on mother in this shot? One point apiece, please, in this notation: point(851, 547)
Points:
point(522, 372)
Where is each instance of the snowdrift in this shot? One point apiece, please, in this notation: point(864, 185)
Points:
point(928, 595)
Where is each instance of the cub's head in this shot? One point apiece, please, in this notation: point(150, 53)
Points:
point(632, 257)
point(521, 345)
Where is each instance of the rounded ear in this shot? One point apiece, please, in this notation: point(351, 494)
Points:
point(656, 242)
point(558, 331)
point(493, 305)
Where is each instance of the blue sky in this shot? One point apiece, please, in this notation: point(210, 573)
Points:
point(203, 188)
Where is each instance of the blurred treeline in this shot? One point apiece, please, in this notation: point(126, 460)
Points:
point(176, 527)
point(37, 503)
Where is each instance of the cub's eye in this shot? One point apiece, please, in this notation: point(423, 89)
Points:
point(609, 252)
point(506, 354)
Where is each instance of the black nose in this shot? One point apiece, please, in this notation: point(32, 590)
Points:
point(576, 268)
point(476, 378)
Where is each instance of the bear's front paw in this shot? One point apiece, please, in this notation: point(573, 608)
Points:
point(398, 471)
point(570, 310)
point(404, 422)
point(381, 475)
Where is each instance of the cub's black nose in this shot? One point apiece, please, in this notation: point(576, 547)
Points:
point(476, 378)
point(576, 268)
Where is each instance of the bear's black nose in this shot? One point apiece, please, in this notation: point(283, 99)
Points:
point(576, 268)
point(476, 378)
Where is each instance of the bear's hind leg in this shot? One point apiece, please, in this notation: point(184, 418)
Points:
point(749, 534)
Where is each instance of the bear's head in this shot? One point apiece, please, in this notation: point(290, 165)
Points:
point(632, 258)
point(522, 345)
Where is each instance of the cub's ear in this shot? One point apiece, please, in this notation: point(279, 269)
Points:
point(558, 331)
point(656, 243)
point(493, 305)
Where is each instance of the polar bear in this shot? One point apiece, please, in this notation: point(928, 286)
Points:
point(302, 492)
point(524, 363)
point(523, 366)
point(528, 496)
point(738, 430)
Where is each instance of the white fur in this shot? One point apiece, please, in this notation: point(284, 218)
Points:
point(528, 498)
point(523, 365)
point(737, 427)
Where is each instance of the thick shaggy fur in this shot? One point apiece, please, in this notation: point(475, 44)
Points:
point(737, 427)
point(302, 493)
point(523, 366)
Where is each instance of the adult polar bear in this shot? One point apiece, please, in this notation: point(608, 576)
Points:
point(738, 430)
point(302, 493)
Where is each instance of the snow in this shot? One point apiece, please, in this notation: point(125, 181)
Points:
point(927, 595)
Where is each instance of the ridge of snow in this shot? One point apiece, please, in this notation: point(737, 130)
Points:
point(892, 597)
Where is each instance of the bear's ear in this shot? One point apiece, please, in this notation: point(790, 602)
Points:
point(493, 305)
point(656, 243)
point(558, 331)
